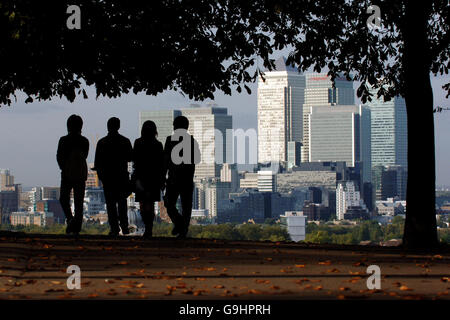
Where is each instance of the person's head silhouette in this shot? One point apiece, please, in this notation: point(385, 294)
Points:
point(181, 122)
point(148, 130)
point(113, 125)
point(74, 124)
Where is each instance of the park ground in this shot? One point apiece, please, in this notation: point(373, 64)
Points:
point(34, 266)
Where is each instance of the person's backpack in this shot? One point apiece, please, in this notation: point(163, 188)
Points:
point(75, 167)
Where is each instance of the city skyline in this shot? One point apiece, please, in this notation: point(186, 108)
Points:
point(29, 132)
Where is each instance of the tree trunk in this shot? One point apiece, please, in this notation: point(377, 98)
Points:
point(420, 225)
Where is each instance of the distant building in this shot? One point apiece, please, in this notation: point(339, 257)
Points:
point(209, 126)
point(294, 156)
point(9, 202)
point(280, 99)
point(267, 181)
point(389, 182)
point(40, 219)
point(249, 181)
point(241, 207)
point(296, 225)
point(348, 199)
point(229, 173)
point(200, 214)
point(315, 195)
point(316, 212)
point(53, 206)
point(341, 133)
point(390, 207)
point(92, 179)
point(389, 131)
point(6, 179)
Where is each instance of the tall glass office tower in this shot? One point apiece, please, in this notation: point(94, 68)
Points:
point(341, 133)
point(319, 91)
point(389, 132)
point(209, 127)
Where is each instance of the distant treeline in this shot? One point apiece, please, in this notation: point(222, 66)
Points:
point(325, 233)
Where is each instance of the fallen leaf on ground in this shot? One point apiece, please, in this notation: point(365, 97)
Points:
point(405, 288)
point(326, 263)
point(299, 265)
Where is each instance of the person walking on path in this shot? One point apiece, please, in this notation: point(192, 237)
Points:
point(181, 154)
point(148, 176)
point(71, 156)
point(111, 162)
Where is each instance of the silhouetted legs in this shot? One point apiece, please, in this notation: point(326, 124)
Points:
point(116, 206)
point(147, 209)
point(73, 222)
point(174, 191)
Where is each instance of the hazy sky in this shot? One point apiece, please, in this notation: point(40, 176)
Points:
point(29, 133)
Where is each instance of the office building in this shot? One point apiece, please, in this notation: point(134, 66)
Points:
point(341, 133)
point(6, 179)
point(53, 206)
point(229, 173)
point(280, 100)
point(40, 219)
point(316, 211)
point(294, 154)
point(348, 198)
point(209, 126)
point(389, 132)
point(389, 182)
point(267, 181)
point(321, 92)
point(249, 181)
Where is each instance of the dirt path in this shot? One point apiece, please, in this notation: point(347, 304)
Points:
point(34, 267)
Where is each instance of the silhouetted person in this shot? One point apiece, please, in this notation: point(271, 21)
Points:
point(148, 160)
point(111, 162)
point(181, 153)
point(72, 152)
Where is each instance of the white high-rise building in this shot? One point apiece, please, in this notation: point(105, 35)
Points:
point(284, 98)
point(341, 133)
point(389, 131)
point(347, 196)
point(209, 126)
point(280, 100)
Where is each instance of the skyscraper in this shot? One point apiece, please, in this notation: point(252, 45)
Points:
point(280, 100)
point(389, 131)
point(341, 133)
point(319, 91)
point(209, 126)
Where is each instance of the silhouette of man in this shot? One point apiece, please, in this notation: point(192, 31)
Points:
point(111, 162)
point(181, 153)
point(71, 155)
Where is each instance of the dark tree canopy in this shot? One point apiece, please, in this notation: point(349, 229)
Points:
point(202, 46)
point(193, 46)
point(199, 47)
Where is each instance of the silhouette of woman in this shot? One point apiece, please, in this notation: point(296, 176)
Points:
point(148, 173)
